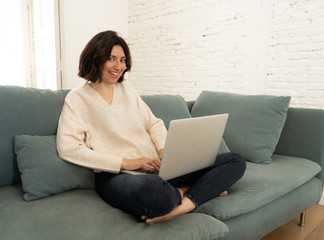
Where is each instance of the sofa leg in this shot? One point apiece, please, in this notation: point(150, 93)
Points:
point(302, 219)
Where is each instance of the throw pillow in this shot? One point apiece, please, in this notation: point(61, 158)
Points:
point(255, 122)
point(42, 171)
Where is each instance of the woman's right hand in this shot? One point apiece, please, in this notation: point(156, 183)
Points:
point(147, 163)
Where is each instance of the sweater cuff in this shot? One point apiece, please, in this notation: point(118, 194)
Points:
point(110, 164)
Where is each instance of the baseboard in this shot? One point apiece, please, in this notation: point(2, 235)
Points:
point(322, 199)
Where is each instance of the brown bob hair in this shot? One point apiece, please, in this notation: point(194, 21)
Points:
point(97, 52)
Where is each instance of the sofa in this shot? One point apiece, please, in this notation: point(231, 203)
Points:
point(44, 197)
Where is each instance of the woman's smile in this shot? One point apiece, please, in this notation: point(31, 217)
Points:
point(115, 66)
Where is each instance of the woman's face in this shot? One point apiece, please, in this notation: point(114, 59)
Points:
point(114, 67)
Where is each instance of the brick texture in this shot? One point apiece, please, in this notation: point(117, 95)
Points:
point(240, 46)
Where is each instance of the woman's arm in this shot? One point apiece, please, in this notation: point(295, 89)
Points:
point(154, 126)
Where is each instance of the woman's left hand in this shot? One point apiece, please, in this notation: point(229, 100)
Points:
point(146, 163)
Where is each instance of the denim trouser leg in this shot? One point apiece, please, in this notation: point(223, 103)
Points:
point(151, 196)
point(208, 183)
point(147, 195)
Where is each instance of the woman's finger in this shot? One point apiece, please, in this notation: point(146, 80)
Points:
point(152, 164)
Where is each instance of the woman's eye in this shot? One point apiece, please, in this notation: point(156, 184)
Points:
point(123, 60)
point(111, 59)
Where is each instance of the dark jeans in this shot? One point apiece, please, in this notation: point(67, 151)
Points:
point(151, 196)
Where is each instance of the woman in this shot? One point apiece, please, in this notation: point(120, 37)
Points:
point(106, 126)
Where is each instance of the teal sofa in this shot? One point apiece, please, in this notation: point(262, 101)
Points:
point(44, 197)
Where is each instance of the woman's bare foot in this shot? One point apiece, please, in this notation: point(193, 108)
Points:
point(225, 193)
point(149, 221)
point(186, 206)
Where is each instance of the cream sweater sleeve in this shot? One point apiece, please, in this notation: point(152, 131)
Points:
point(71, 141)
point(154, 126)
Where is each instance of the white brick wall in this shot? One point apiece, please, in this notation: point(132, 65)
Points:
point(242, 46)
point(296, 62)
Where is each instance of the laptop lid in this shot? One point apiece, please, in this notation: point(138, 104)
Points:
point(192, 144)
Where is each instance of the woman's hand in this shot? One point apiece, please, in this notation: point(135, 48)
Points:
point(148, 163)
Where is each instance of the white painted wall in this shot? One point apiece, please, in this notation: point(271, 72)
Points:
point(245, 46)
point(80, 20)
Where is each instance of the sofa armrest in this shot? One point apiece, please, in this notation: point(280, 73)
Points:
point(303, 136)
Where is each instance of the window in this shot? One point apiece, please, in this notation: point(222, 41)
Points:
point(12, 62)
point(27, 44)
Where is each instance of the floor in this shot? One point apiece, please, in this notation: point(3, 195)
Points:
point(313, 230)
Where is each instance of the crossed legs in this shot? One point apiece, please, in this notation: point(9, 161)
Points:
point(156, 200)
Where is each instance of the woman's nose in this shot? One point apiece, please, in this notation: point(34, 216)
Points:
point(117, 65)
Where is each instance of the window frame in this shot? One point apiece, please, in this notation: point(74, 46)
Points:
point(29, 43)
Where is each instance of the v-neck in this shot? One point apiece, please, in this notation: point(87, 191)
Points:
point(101, 98)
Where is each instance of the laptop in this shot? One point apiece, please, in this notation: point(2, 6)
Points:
point(191, 144)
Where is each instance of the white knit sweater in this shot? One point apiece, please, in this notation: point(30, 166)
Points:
point(98, 135)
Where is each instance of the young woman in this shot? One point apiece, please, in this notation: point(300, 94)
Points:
point(106, 126)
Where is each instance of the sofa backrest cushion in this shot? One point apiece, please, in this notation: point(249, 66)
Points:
point(170, 107)
point(254, 125)
point(167, 107)
point(25, 111)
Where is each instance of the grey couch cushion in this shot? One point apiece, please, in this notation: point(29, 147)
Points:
point(260, 185)
point(254, 124)
point(256, 224)
point(42, 171)
point(171, 107)
point(167, 107)
point(25, 111)
point(303, 136)
point(81, 214)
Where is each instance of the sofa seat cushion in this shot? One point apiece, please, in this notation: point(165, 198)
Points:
point(81, 214)
point(261, 184)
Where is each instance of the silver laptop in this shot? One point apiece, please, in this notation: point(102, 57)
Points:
point(192, 144)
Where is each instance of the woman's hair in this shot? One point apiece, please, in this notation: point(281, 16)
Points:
point(97, 52)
